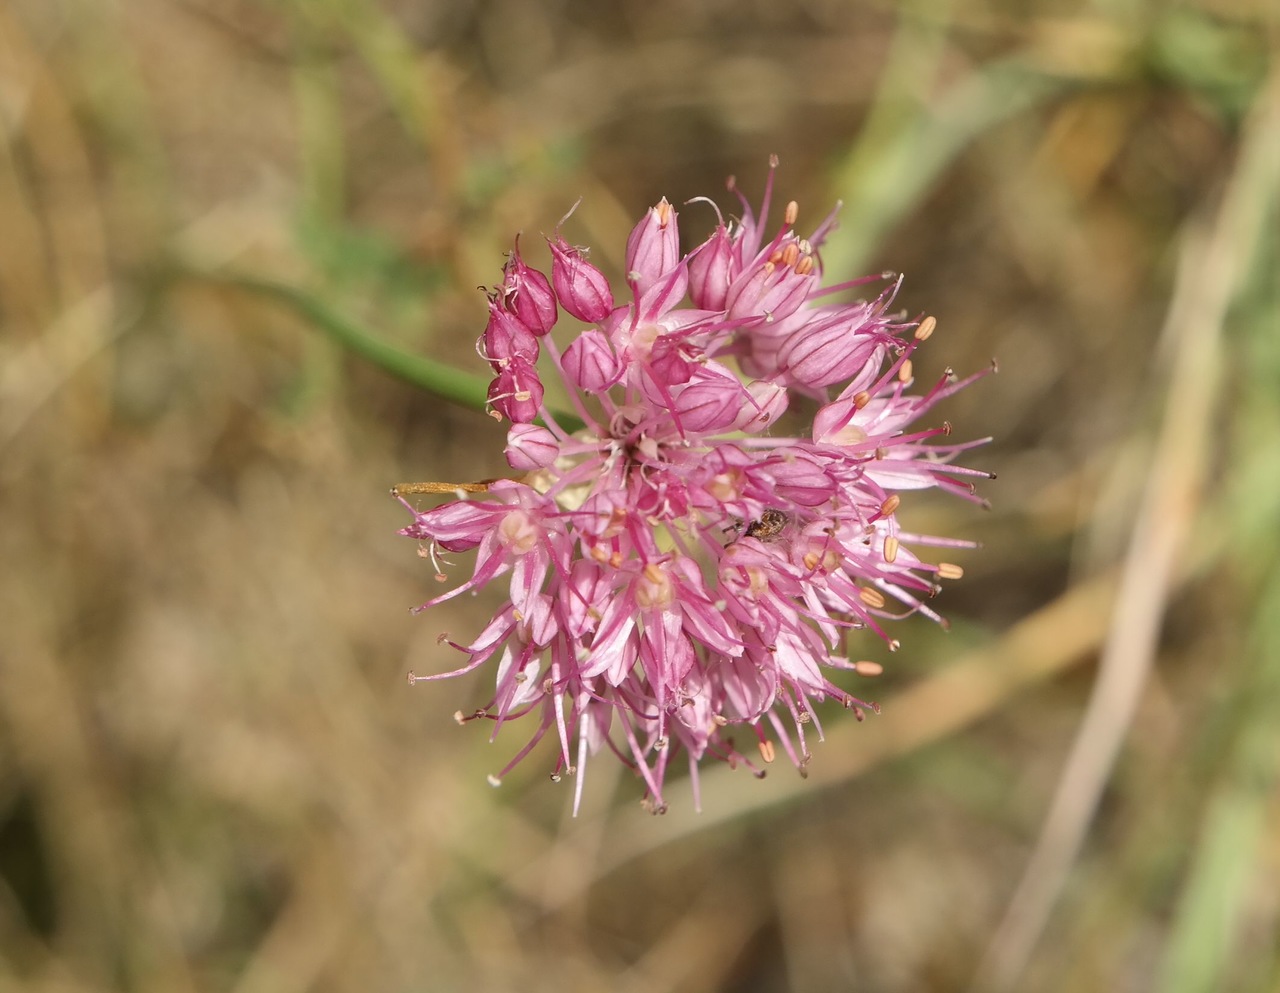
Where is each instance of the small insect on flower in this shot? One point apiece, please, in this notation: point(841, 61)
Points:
point(772, 523)
point(630, 623)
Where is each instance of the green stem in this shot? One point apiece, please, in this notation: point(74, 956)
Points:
point(463, 388)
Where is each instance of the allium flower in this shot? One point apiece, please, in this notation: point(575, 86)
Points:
point(675, 573)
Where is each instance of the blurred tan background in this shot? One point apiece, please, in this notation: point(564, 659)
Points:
point(212, 774)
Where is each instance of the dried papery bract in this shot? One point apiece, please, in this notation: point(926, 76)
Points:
point(678, 579)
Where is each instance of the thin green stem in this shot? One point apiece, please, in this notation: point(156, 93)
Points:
point(463, 388)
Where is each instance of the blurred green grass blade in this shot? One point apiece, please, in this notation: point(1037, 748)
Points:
point(1227, 864)
point(322, 152)
point(1221, 59)
point(446, 382)
point(898, 158)
point(1206, 949)
point(402, 70)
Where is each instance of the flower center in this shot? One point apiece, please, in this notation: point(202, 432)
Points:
point(518, 533)
point(655, 590)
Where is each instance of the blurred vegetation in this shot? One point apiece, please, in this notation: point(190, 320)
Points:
point(233, 232)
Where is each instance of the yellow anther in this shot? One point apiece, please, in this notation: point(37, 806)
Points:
point(872, 598)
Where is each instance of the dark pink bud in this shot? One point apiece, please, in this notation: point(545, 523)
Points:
point(590, 362)
point(527, 294)
point(506, 337)
point(516, 393)
point(530, 447)
point(709, 271)
point(828, 351)
point(802, 482)
point(582, 288)
point(653, 247)
point(712, 403)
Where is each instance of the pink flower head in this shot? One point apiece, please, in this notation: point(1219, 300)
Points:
point(678, 580)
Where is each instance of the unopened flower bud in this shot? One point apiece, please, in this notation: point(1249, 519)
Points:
point(590, 362)
point(709, 270)
point(530, 446)
point(827, 352)
point(803, 482)
point(528, 294)
point(711, 403)
point(582, 289)
point(516, 393)
point(506, 337)
point(653, 247)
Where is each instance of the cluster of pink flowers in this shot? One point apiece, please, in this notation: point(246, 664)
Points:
point(677, 573)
